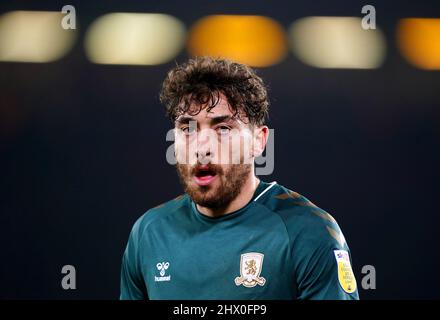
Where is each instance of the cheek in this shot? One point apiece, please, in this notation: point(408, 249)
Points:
point(179, 146)
point(246, 146)
point(238, 148)
point(222, 155)
point(228, 151)
point(183, 147)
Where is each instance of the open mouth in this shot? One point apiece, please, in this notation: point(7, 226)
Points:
point(204, 175)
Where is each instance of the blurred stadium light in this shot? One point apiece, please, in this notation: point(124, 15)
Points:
point(152, 39)
point(419, 41)
point(134, 39)
point(337, 42)
point(34, 36)
point(254, 40)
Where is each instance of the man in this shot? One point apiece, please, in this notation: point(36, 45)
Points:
point(231, 235)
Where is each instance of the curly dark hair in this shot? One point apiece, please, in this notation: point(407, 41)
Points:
point(200, 81)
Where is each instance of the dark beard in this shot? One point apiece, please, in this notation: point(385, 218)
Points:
point(231, 182)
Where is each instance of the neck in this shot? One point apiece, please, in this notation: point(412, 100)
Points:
point(239, 202)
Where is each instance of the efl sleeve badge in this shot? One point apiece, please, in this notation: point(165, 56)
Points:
point(345, 272)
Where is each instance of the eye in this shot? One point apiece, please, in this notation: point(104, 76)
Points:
point(188, 130)
point(223, 130)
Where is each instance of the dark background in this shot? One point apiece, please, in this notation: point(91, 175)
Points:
point(82, 153)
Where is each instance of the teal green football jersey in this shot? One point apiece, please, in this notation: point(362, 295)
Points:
point(279, 246)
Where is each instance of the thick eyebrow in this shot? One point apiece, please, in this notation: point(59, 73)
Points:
point(214, 120)
point(222, 118)
point(184, 120)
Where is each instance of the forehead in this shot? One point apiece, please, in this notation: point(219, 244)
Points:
point(208, 113)
point(221, 107)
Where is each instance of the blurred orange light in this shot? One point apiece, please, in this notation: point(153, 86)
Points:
point(254, 40)
point(419, 42)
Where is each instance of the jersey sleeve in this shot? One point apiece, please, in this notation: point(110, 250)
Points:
point(132, 282)
point(324, 277)
point(324, 268)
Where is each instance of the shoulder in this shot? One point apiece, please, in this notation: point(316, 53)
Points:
point(304, 221)
point(158, 212)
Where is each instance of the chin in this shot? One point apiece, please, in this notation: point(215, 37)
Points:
point(207, 197)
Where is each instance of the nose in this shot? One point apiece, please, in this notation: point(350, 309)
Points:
point(203, 155)
point(204, 148)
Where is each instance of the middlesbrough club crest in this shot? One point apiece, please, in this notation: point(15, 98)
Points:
point(251, 265)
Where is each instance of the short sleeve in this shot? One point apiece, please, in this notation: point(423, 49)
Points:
point(325, 271)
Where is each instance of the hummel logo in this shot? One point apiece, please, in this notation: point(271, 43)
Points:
point(162, 266)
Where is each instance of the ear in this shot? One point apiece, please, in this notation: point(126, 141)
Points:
point(261, 134)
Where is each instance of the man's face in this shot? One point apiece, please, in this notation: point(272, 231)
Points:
point(214, 152)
